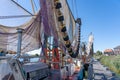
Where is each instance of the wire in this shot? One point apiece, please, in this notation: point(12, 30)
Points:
point(73, 6)
point(70, 9)
point(21, 7)
point(76, 9)
point(10, 76)
point(15, 16)
point(35, 4)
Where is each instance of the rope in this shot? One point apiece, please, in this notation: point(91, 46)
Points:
point(35, 4)
point(70, 9)
point(15, 16)
point(10, 76)
point(76, 9)
point(32, 6)
point(21, 7)
point(73, 6)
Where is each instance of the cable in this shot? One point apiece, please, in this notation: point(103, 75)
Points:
point(70, 9)
point(76, 9)
point(21, 7)
point(35, 4)
point(15, 16)
point(73, 6)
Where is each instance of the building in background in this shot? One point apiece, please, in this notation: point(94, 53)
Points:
point(117, 50)
point(108, 52)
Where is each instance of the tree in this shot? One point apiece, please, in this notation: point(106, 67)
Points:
point(98, 53)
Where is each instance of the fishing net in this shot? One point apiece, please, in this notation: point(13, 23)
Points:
point(30, 36)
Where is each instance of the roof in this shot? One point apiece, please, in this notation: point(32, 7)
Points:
point(118, 47)
point(108, 50)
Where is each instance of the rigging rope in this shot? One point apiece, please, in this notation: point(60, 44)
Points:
point(73, 6)
point(76, 9)
point(15, 16)
point(35, 4)
point(21, 7)
point(70, 10)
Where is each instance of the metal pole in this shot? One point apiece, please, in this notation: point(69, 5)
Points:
point(19, 30)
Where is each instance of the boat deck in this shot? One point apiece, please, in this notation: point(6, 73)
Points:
point(74, 77)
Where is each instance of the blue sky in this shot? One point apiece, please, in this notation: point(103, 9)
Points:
point(101, 17)
point(7, 8)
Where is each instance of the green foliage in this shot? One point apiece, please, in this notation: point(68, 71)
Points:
point(113, 62)
point(98, 53)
